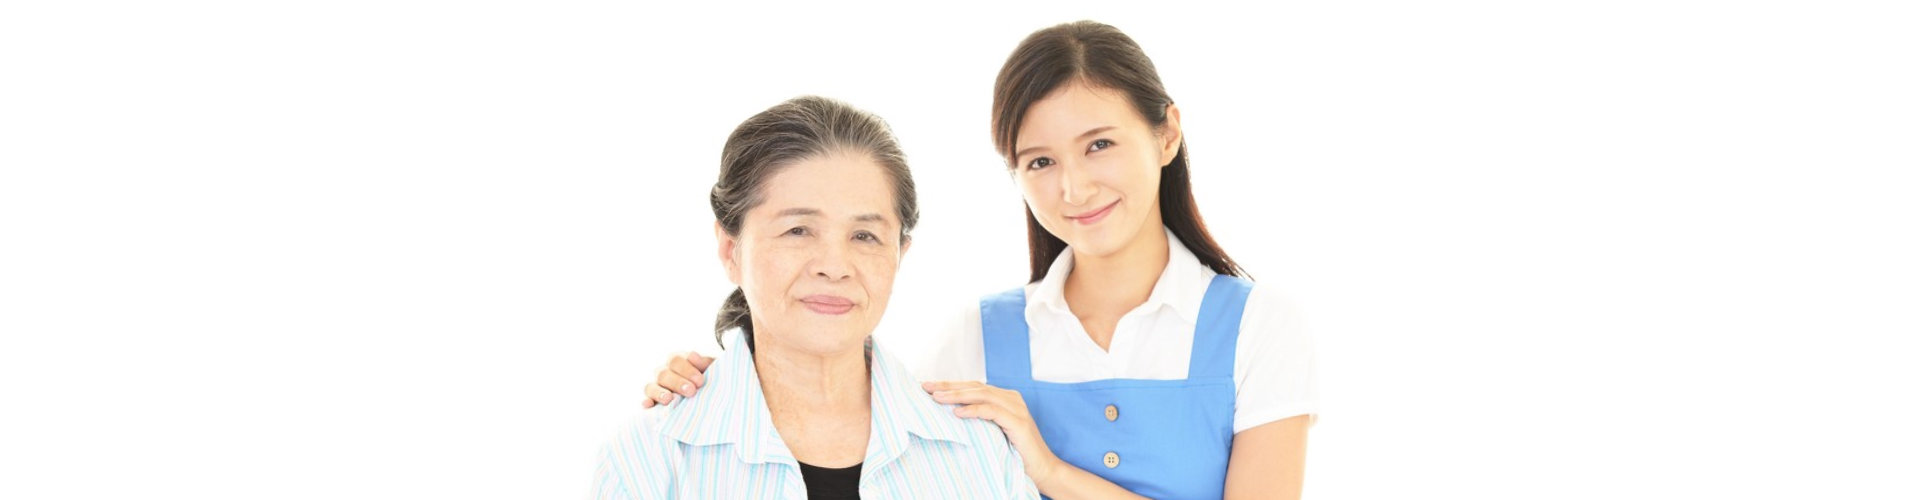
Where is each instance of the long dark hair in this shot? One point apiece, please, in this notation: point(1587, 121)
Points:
point(1104, 57)
point(793, 131)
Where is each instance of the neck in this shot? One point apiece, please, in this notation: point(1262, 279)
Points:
point(1116, 283)
point(818, 401)
point(811, 384)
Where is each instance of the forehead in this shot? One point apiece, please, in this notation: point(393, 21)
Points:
point(1073, 109)
point(839, 184)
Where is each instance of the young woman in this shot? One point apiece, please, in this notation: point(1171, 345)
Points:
point(812, 213)
point(1139, 360)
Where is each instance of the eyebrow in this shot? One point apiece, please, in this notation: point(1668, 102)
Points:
point(1083, 136)
point(815, 212)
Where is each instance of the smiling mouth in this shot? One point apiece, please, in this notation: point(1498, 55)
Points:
point(1094, 216)
point(827, 304)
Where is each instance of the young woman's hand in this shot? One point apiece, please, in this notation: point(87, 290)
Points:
point(683, 373)
point(1008, 410)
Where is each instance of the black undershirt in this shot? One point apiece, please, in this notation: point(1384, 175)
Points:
point(831, 484)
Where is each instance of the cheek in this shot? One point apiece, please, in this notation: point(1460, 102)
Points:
point(1139, 175)
point(878, 272)
point(1040, 192)
point(770, 270)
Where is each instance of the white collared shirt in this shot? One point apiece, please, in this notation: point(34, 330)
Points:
point(1273, 362)
point(722, 444)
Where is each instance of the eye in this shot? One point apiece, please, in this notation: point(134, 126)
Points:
point(866, 237)
point(1039, 163)
point(1099, 145)
point(797, 231)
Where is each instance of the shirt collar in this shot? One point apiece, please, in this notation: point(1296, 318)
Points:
point(1181, 286)
point(731, 409)
point(901, 408)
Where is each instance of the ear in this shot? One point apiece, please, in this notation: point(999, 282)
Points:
point(1170, 136)
point(906, 242)
point(729, 252)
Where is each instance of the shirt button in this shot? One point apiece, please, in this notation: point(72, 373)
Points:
point(1113, 413)
point(1111, 460)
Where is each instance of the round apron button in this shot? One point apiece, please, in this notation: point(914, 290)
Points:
point(1111, 460)
point(1113, 413)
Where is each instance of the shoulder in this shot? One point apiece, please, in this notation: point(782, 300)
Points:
point(943, 445)
point(644, 429)
point(979, 433)
point(637, 459)
point(1000, 466)
point(965, 458)
point(1274, 366)
point(1271, 314)
point(1011, 477)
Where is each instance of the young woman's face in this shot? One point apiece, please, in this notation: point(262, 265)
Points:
point(1089, 167)
point(816, 258)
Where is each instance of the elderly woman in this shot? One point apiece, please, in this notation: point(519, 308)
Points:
point(1139, 361)
point(813, 209)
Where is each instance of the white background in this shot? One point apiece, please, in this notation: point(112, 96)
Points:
point(432, 249)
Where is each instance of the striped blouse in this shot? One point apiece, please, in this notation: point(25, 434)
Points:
point(722, 444)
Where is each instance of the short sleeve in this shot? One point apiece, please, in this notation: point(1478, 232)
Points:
point(1273, 363)
point(959, 353)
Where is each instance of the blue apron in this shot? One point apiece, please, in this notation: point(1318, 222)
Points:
point(1157, 438)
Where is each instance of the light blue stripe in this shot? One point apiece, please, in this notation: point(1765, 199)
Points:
point(921, 449)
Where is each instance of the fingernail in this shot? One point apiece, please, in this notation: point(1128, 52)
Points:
point(686, 387)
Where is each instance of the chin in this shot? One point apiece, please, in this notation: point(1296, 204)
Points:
point(1097, 243)
point(828, 339)
point(1110, 237)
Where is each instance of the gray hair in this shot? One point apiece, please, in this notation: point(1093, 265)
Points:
point(799, 129)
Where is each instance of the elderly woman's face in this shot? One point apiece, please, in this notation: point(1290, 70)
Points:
point(816, 258)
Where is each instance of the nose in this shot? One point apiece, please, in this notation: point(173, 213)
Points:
point(1076, 183)
point(832, 262)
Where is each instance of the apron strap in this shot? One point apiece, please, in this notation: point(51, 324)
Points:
point(1218, 329)
point(1003, 334)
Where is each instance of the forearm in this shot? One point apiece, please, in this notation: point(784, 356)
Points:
point(1067, 482)
point(1269, 460)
